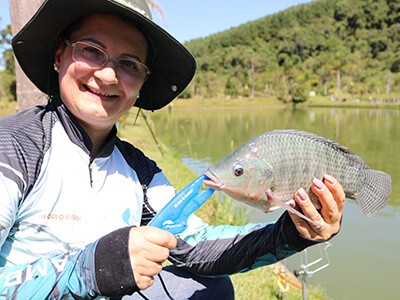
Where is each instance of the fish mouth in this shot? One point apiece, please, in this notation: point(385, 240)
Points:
point(212, 181)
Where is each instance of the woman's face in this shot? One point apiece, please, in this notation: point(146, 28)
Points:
point(99, 97)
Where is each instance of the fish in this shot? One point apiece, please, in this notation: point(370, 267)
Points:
point(266, 171)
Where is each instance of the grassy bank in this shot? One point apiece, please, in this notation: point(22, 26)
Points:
point(265, 101)
point(7, 108)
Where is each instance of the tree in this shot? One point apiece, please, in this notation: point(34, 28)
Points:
point(27, 93)
point(8, 81)
point(5, 42)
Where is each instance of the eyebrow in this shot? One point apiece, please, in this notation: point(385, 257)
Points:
point(94, 41)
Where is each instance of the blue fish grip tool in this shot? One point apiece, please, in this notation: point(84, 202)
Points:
point(173, 216)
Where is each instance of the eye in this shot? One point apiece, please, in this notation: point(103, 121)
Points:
point(133, 68)
point(238, 170)
point(129, 65)
point(92, 53)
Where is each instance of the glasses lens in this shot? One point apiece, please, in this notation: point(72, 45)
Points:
point(132, 68)
point(89, 54)
point(95, 57)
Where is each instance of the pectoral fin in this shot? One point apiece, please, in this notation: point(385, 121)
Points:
point(284, 205)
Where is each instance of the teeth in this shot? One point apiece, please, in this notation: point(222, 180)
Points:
point(98, 93)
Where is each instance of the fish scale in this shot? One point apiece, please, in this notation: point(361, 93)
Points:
point(286, 159)
point(294, 162)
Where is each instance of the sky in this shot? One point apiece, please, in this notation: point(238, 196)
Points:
point(191, 19)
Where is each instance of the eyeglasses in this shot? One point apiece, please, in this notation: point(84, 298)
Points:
point(94, 57)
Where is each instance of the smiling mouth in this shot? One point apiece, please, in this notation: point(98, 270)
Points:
point(98, 93)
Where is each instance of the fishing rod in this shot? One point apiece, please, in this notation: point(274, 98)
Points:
point(304, 272)
point(140, 111)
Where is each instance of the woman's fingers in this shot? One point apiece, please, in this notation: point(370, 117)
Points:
point(148, 249)
point(337, 192)
point(331, 196)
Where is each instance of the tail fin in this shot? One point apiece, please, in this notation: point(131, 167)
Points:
point(373, 196)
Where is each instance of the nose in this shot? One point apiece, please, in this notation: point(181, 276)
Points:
point(107, 74)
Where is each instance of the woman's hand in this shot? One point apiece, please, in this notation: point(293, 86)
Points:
point(331, 195)
point(148, 249)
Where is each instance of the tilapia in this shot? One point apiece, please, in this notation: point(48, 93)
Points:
point(282, 161)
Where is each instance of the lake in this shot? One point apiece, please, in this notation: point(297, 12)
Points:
point(364, 258)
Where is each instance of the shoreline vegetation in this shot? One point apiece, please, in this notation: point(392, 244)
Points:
point(261, 283)
point(389, 102)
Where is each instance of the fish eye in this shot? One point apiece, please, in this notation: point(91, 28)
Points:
point(238, 170)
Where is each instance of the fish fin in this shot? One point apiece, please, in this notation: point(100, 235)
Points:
point(373, 195)
point(287, 207)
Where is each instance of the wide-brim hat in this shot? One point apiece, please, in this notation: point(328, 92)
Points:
point(172, 67)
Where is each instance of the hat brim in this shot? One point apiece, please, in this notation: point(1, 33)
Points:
point(172, 66)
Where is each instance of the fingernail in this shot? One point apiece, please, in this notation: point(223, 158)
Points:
point(302, 193)
point(330, 178)
point(318, 183)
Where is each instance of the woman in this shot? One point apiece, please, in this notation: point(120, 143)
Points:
point(75, 199)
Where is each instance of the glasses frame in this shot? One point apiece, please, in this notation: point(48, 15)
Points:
point(107, 59)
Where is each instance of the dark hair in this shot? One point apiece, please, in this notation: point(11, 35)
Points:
point(53, 88)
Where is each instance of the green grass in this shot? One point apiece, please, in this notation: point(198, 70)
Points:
point(220, 103)
point(7, 107)
point(215, 103)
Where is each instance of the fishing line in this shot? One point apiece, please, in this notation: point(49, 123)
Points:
point(143, 296)
point(137, 116)
point(163, 286)
point(140, 111)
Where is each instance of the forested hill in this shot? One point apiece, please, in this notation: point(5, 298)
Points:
point(332, 47)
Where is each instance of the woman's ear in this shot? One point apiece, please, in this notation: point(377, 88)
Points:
point(57, 58)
